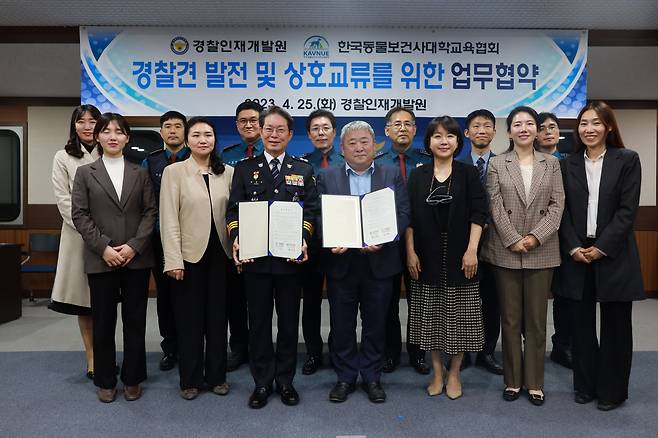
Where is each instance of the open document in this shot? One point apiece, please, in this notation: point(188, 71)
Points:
point(270, 228)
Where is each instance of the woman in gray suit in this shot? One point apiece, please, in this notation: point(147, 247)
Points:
point(114, 211)
point(193, 201)
point(527, 199)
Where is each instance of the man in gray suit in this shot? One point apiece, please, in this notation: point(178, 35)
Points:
point(480, 130)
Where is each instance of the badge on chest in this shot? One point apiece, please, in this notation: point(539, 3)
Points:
point(295, 180)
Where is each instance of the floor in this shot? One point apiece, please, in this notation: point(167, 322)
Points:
point(41, 329)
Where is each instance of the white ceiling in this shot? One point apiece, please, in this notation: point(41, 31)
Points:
point(544, 14)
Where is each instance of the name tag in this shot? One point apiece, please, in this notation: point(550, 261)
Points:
point(295, 180)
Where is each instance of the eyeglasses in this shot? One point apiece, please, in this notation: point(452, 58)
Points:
point(399, 125)
point(269, 130)
point(318, 129)
point(245, 122)
point(551, 127)
point(439, 195)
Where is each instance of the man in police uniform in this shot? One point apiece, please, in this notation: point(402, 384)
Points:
point(321, 130)
point(273, 176)
point(247, 116)
point(401, 129)
point(480, 130)
point(548, 137)
point(172, 131)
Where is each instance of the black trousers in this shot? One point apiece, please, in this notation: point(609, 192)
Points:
point(237, 310)
point(312, 309)
point(393, 346)
point(264, 293)
point(563, 320)
point(107, 289)
point(164, 300)
point(490, 308)
point(358, 291)
point(200, 309)
point(602, 369)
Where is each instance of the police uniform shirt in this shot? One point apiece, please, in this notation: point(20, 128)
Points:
point(232, 154)
point(334, 158)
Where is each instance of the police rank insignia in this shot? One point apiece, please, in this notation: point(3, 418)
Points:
point(255, 175)
point(295, 180)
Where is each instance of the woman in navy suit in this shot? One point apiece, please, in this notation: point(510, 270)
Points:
point(600, 257)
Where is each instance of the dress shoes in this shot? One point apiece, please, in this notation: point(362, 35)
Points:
point(168, 361)
point(235, 359)
point(420, 366)
point(562, 356)
point(510, 395)
point(90, 374)
point(582, 398)
point(454, 391)
point(288, 394)
point(107, 395)
point(390, 365)
point(340, 391)
point(311, 364)
point(375, 392)
point(258, 398)
point(488, 362)
point(132, 393)
point(221, 389)
point(189, 393)
point(607, 406)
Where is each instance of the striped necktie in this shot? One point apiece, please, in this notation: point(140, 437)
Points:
point(482, 170)
point(274, 168)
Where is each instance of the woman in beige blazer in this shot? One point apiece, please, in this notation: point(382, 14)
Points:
point(193, 200)
point(527, 199)
point(70, 294)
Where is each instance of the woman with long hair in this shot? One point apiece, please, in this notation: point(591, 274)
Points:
point(70, 294)
point(600, 257)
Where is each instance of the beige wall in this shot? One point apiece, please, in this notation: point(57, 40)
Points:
point(47, 132)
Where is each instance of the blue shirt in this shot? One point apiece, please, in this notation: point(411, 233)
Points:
point(559, 155)
point(475, 157)
point(315, 159)
point(412, 159)
point(233, 154)
point(359, 184)
point(180, 155)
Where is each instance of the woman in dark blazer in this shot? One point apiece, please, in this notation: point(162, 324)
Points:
point(114, 211)
point(193, 202)
point(448, 211)
point(600, 257)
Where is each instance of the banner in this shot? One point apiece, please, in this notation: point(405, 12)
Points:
point(352, 72)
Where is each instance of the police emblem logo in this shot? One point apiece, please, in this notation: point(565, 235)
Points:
point(179, 45)
point(255, 175)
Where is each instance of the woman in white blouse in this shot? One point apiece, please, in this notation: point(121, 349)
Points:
point(70, 294)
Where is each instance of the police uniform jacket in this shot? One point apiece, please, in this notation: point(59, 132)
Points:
point(252, 181)
point(235, 153)
point(314, 158)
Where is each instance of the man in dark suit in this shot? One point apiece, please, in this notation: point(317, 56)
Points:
point(268, 281)
point(361, 279)
point(251, 145)
point(480, 130)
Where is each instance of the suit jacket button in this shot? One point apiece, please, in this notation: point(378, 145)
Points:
point(541, 212)
point(509, 211)
point(276, 190)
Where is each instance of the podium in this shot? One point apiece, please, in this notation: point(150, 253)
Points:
point(10, 272)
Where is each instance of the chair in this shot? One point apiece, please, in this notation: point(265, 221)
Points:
point(44, 244)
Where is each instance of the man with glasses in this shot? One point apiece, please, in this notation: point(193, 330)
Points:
point(401, 129)
point(481, 130)
point(321, 130)
point(272, 281)
point(548, 138)
point(361, 279)
point(246, 120)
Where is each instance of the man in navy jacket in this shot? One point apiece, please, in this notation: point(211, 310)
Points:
point(361, 279)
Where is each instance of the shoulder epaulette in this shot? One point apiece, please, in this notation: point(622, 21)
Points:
point(424, 152)
point(231, 146)
point(380, 154)
point(157, 151)
point(302, 158)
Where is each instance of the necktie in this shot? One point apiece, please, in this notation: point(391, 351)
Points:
point(325, 161)
point(250, 151)
point(274, 168)
point(172, 159)
point(482, 170)
point(403, 167)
